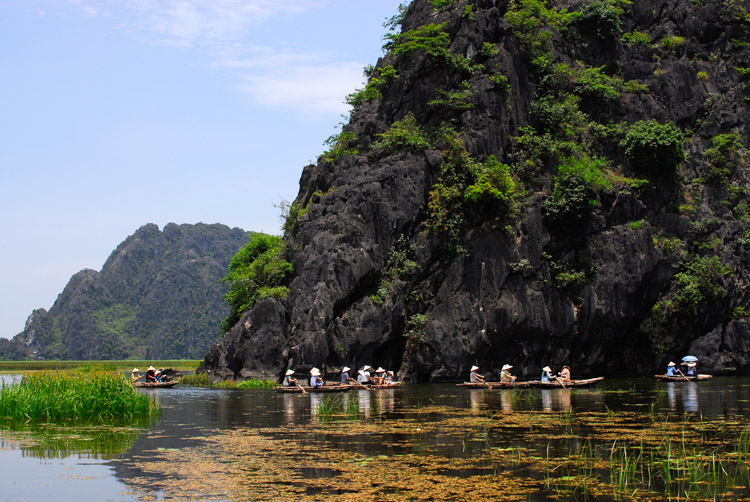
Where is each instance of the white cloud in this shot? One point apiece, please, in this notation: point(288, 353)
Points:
point(308, 82)
point(310, 89)
point(184, 23)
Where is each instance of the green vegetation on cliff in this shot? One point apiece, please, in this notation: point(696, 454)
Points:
point(257, 271)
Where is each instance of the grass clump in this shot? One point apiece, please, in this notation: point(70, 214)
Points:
point(94, 396)
point(202, 380)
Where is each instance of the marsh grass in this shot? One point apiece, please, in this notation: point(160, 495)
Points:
point(120, 365)
point(65, 397)
point(202, 380)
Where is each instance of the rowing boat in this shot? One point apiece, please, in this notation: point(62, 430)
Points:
point(686, 378)
point(385, 385)
point(156, 385)
point(324, 388)
point(494, 385)
point(556, 384)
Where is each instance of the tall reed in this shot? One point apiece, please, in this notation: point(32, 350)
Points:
point(95, 396)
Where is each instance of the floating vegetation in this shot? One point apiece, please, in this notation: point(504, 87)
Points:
point(91, 397)
point(434, 452)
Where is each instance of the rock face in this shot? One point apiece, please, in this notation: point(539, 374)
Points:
point(158, 296)
point(633, 274)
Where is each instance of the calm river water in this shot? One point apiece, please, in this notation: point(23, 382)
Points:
point(416, 442)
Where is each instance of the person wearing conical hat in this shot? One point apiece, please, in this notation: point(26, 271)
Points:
point(388, 379)
point(505, 375)
point(379, 376)
point(546, 374)
point(672, 369)
point(345, 378)
point(366, 373)
point(362, 379)
point(315, 380)
point(135, 375)
point(564, 374)
point(475, 377)
point(151, 374)
point(289, 380)
point(692, 368)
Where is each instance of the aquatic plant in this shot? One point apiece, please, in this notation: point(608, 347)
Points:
point(95, 396)
point(202, 380)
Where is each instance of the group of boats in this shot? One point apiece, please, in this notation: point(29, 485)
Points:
point(335, 388)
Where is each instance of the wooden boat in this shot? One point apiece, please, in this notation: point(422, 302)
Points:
point(554, 384)
point(156, 385)
point(686, 378)
point(324, 388)
point(494, 385)
point(391, 385)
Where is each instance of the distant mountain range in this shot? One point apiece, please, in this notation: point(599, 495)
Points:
point(158, 296)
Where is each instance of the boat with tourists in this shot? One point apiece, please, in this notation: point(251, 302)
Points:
point(494, 385)
point(391, 385)
point(684, 378)
point(554, 384)
point(321, 388)
point(156, 385)
point(564, 384)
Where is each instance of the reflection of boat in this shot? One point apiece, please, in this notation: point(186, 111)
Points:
point(555, 384)
point(156, 385)
point(494, 385)
point(324, 388)
point(686, 378)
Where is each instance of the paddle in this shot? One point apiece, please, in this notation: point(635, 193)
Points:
point(561, 384)
point(300, 387)
point(683, 375)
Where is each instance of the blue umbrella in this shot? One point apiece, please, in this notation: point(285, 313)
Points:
point(690, 359)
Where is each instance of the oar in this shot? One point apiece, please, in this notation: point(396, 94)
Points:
point(683, 375)
point(561, 384)
point(301, 388)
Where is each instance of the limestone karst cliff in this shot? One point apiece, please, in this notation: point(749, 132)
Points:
point(158, 296)
point(528, 181)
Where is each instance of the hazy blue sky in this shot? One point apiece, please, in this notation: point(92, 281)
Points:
point(118, 113)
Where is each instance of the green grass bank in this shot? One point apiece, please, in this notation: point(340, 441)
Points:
point(122, 365)
point(73, 396)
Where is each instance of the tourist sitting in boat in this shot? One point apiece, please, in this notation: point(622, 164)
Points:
point(367, 375)
point(547, 377)
point(157, 375)
point(388, 377)
point(363, 378)
point(135, 375)
point(345, 378)
point(379, 378)
point(691, 369)
point(672, 369)
point(289, 380)
point(315, 380)
point(151, 374)
point(475, 377)
point(564, 374)
point(505, 375)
